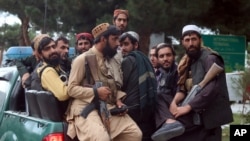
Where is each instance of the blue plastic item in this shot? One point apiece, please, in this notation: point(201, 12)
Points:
point(18, 52)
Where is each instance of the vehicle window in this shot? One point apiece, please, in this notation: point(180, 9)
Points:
point(4, 89)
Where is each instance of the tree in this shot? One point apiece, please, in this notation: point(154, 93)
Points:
point(9, 35)
point(146, 17)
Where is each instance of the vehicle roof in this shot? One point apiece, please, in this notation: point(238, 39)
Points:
point(8, 72)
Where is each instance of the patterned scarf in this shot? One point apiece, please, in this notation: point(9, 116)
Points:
point(182, 68)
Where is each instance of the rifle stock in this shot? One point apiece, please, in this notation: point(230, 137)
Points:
point(212, 72)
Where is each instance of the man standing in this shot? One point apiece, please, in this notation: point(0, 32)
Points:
point(120, 19)
point(203, 115)
point(166, 90)
point(107, 73)
point(139, 83)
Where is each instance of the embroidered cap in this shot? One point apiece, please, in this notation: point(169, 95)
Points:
point(105, 28)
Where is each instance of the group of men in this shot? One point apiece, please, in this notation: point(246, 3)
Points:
point(201, 117)
point(109, 73)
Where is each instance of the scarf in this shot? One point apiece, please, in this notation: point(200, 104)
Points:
point(183, 68)
point(147, 80)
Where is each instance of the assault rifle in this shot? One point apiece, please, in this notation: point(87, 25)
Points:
point(212, 72)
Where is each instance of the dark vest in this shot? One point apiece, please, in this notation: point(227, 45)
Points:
point(49, 106)
point(219, 112)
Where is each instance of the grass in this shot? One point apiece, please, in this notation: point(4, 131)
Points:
point(238, 119)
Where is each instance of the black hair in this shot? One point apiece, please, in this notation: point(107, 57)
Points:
point(61, 38)
point(44, 42)
point(131, 38)
point(117, 16)
point(154, 47)
point(164, 45)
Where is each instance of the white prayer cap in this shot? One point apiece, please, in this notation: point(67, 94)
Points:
point(133, 34)
point(190, 28)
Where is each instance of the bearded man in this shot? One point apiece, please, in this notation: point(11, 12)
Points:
point(48, 69)
point(210, 108)
point(107, 73)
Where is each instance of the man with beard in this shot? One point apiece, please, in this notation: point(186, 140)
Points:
point(46, 76)
point(62, 47)
point(166, 89)
point(120, 19)
point(26, 66)
point(203, 115)
point(139, 83)
point(88, 123)
point(84, 42)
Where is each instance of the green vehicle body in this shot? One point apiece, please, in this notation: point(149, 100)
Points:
point(15, 122)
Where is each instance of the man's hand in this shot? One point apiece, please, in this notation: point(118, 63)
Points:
point(119, 103)
point(24, 78)
point(182, 110)
point(173, 107)
point(103, 92)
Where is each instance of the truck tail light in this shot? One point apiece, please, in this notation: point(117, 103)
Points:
point(54, 137)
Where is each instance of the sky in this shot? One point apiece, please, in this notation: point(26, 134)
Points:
point(8, 18)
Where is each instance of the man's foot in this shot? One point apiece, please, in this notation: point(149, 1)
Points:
point(168, 131)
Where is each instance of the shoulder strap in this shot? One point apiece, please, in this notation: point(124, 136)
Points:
point(92, 63)
point(40, 73)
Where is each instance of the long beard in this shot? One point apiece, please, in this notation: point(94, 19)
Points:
point(53, 61)
point(193, 54)
point(108, 51)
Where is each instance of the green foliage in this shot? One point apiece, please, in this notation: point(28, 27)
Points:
point(146, 17)
point(243, 84)
point(9, 35)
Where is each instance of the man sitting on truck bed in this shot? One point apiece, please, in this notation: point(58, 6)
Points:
point(47, 75)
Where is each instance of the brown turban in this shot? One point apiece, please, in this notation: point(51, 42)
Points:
point(38, 39)
point(88, 36)
point(120, 11)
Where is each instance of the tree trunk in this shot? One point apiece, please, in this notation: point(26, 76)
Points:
point(24, 36)
point(1, 55)
point(144, 42)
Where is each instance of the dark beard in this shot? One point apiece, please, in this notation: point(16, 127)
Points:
point(53, 61)
point(194, 54)
point(108, 51)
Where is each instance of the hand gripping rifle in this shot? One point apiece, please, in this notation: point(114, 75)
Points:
point(98, 104)
point(212, 72)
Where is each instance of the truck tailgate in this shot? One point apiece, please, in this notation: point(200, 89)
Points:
point(22, 127)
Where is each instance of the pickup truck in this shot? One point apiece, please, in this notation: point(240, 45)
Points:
point(19, 114)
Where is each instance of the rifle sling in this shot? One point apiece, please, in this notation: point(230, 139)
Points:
point(91, 68)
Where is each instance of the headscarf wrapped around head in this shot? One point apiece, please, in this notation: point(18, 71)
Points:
point(38, 39)
point(120, 11)
point(88, 36)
